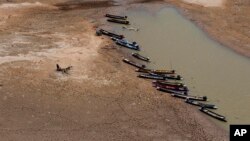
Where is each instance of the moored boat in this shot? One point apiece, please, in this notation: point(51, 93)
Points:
point(133, 63)
point(182, 89)
point(118, 21)
point(127, 45)
point(147, 76)
point(213, 114)
point(197, 98)
point(156, 71)
point(125, 42)
point(184, 93)
point(169, 83)
point(116, 16)
point(168, 76)
point(140, 57)
point(196, 103)
point(105, 32)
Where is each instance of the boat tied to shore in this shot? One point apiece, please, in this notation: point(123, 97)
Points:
point(116, 17)
point(156, 71)
point(169, 83)
point(213, 114)
point(168, 76)
point(176, 88)
point(197, 98)
point(148, 76)
point(118, 21)
point(133, 63)
point(105, 32)
point(172, 91)
point(126, 43)
point(196, 103)
point(140, 57)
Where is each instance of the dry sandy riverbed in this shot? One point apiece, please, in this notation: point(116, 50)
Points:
point(101, 98)
point(207, 3)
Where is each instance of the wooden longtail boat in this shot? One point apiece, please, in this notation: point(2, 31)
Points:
point(156, 71)
point(105, 32)
point(196, 103)
point(184, 93)
point(182, 89)
point(197, 98)
point(140, 57)
point(116, 17)
point(133, 63)
point(147, 76)
point(213, 114)
point(169, 83)
point(118, 21)
point(168, 76)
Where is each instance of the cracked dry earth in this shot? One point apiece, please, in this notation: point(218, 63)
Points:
point(100, 99)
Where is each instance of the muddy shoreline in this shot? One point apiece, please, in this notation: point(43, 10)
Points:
point(94, 102)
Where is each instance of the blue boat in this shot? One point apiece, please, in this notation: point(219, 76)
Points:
point(126, 43)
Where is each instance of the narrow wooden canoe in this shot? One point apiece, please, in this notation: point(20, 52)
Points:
point(169, 83)
point(184, 93)
point(140, 57)
point(156, 71)
point(197, 98)
point(213, 114)
point(133, 63)
point(176, 88)
point(116, 16)
point(118, 21)
point(168, 76)
point(147, 76)
point(105, 32)
point(196, 103)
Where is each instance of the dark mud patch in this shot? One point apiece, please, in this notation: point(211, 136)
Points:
point(72, 5)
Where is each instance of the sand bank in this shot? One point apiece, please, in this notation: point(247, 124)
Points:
point(207, 3)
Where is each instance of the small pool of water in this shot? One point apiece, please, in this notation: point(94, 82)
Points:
point(173, 42)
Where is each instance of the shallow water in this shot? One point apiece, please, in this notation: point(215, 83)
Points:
point(210, 69)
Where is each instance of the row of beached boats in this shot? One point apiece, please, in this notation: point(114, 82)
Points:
point(163, 80)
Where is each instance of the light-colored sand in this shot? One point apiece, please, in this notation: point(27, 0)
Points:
point(207, 3)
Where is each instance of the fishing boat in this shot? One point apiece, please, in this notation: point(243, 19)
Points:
point(184, 93)
point(127, 45)
point(156, 71)
point(169, 83)
point(147, 76)
point(133, 63)
point(118, 21)
point(116, 17)
point(182, 89)
point(168, 76)
point(105, 32)
point(213, 114)
point(197, 98)
point(196, 103)
point(140, 57)
point(125, 42)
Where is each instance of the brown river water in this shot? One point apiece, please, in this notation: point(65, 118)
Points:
point(208, 68)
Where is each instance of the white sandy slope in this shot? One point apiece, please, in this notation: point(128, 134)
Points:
point(207, 3)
